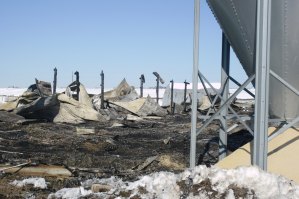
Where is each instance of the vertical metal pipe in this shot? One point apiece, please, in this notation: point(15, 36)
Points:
point(77, 84)
point(157, 90)
point(185, 95)
point(225, 94)
point(171, 98)
point(195, 84)
point(102, 90)
point(55, 80)
point(260, 144)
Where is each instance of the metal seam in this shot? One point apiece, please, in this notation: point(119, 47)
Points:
point(243, 33)
point(285, 53)
point(248, 46)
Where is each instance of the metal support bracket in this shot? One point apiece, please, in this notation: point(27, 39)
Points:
point(260, 144)
point(229, 100)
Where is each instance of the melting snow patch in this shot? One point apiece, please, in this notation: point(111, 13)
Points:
point(70, 193)
point(36, 182)
point(201, 182)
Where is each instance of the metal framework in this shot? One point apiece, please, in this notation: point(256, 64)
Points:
point(261, 78)
point(225, 95)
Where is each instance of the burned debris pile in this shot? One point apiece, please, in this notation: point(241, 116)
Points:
point(40, 104)
point(70, 136)
point(76, 106)
point(125, 101)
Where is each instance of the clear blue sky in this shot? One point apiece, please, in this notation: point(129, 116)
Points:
point(125, 38)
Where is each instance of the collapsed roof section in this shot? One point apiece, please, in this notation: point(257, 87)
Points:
point(38, 103)
point(142, 107)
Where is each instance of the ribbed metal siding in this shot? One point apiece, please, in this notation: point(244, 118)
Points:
point(237, 19)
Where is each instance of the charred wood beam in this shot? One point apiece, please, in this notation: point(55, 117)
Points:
point(171, 98)
point(185, 95)
point(142, 81)
point(77, 84)
point(55, 80)
point(102, 89)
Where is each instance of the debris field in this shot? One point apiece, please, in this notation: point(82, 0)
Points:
point(126, 141)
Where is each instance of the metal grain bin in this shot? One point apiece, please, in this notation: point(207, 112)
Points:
point(237, 19)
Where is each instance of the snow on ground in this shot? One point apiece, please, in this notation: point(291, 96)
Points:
point(181, 86)
point(12, 91)
point(20, 91)
point(192, 184)
point(5, 93)
point(241, 95)
point(36, 182)
point(94, 91)
point(70, 193)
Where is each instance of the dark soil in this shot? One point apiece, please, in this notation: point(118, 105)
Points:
point(110, 151)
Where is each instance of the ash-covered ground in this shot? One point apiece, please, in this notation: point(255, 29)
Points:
point(126, 149)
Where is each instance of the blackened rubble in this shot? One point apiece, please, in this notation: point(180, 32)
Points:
point(96, 148)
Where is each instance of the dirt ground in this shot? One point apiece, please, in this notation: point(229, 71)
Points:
point(128, 150)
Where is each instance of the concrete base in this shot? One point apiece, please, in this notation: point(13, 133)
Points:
point(283, 157)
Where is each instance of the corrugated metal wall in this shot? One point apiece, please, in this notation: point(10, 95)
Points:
point(237, 19)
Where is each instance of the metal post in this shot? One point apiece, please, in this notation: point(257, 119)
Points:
point(142, 81)
point(159, 79)
point(171, 98)
point(185, 95)
point(195, 84)
point(157, 89)
point(77, 84)
point(260, 145)
point(102, 90)
point(55, 80)
point(225, 95)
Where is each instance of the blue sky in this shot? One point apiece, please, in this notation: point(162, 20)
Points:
point(123, 38)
